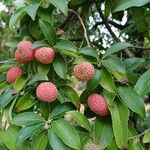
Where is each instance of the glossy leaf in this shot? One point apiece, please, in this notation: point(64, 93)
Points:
point(106, 81)
point(80, 119)
point(20, 83)
point(60, 66)
point(132, 99)
point(94, 82)
point(67, 133)
point(27, 118)
point(66, 47)
point(48, 31)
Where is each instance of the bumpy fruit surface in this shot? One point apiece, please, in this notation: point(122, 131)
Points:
point(47, 92)
point(98, 105)
point(13, 74)
point(84, 71)
point(24, 52)
point(45, 55)
point(24, 45)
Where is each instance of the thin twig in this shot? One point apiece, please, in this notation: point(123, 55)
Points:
point(82, 24)
point(110, 30)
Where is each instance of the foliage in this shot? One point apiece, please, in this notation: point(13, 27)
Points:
point(122, 74)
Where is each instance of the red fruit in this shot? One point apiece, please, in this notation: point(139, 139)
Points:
point(47, 92)
point(24, 45)
point(84, 71)
point(13, 74)
point(98, 105)
point(24, 52)
point(45, 55)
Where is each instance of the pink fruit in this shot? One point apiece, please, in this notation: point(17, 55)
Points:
point(98, 105)
point(13, 74)
point(45, 55)
point(24, 52)
point(47, 92)
point(84, 71)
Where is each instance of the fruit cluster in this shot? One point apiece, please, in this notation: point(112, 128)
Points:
point(47, 91)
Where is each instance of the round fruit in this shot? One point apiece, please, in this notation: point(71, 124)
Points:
point(13, 74)
point(24, 45)
point(47, 92)
point(98, 105)
point(45, 55)
point(84, 71)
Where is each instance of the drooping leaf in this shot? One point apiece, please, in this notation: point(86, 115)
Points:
point(106, 81)
point(120, 115)
point(48, 31)
point(103, 132)
point(27, 118)
point(143, 83)
point(39, 142)
point(67, 133)
point(131, 98)
point(80, 119)
point(55, 142)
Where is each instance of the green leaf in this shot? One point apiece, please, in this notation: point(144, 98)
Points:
point(94, 82)
point(71, 95)
point(133, 63)
point(60, 66)
point(125, 4)
point(6, 98)
point(43, 68)
point(88, 51)
point(80, 119)
point(27, 118)
point(16, 16)
point(146, 138)
point(116, 48)
point(62, 5)
point(114, 63)
point(120, 116)
point(28, 131)
point(20, 83)
point(7, 66)
point(8, 137)
point(25, 102)
point(132, 99)
point(41, 43)
point(31, 10)
point(106, 81)
point(67, 133)
point(109, 97)
point(39, 142)
point(103, 132)
point(38, 77)
point(143, 84)
point(55, 142)
point(48, 31)
point(66, 47)
point(136, 146)
point(60, 110)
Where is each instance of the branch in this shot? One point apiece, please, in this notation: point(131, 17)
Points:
point(83, 26)
point(110, 30)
